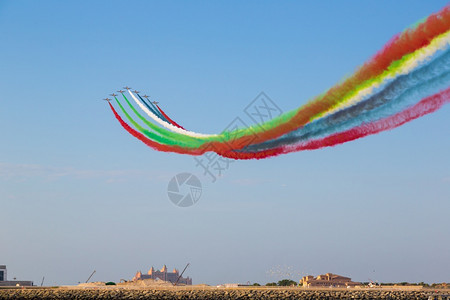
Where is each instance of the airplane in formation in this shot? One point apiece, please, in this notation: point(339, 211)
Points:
point(107, 99)
point(136, 92)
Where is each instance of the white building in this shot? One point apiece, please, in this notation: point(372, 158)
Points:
point(4, 280)
point(3, 273)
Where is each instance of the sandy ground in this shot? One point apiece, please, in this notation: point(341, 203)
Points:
point(124, 291)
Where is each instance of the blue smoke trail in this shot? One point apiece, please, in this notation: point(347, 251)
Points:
point(153, 109)
point(401, 93)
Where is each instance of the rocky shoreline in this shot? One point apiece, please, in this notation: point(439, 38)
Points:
point(64, 293)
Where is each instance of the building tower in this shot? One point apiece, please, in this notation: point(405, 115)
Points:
point(151, 273)
point(164, 271)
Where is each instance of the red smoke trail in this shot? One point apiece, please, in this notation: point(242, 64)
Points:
point(406, 42)
point(151, 143)
point(167, 117)
point(425, 106)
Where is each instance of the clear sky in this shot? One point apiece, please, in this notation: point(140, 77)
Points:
point(77, 193)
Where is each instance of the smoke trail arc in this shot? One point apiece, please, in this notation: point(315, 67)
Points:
point(408, 78)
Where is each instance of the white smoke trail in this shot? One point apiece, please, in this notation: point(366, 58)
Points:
point(417, 58)
point(168, 125)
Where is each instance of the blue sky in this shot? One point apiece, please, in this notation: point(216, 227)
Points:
point(77, 193)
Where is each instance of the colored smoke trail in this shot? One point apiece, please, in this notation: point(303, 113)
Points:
point(167, 117)
point(168, 139)
point(407, 42)
point(149, 134)
point(166, 124)
point(424, 107)
point(403, 66)
point(152, 144)
point(403, 74)
point(172, 137)
point(152, 109)
point(398, 95)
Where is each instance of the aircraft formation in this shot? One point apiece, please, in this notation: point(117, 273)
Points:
point(129, 89)
point(409, 77)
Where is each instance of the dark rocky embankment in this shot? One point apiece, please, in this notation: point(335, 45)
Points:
point(215, 294)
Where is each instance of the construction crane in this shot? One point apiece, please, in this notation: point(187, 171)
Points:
point(90, 276)
point(181, 274)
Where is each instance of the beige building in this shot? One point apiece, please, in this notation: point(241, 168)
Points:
point(328, 280)
point(163, 274)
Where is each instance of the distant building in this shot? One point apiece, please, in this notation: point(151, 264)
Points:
point(5, 282)
point(163, 275)
point(2, 273)
point(231, 285)
point(328, 280)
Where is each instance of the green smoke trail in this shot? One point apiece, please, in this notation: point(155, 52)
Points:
point(330, 101)
point(168, 137)
point(149, 134)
